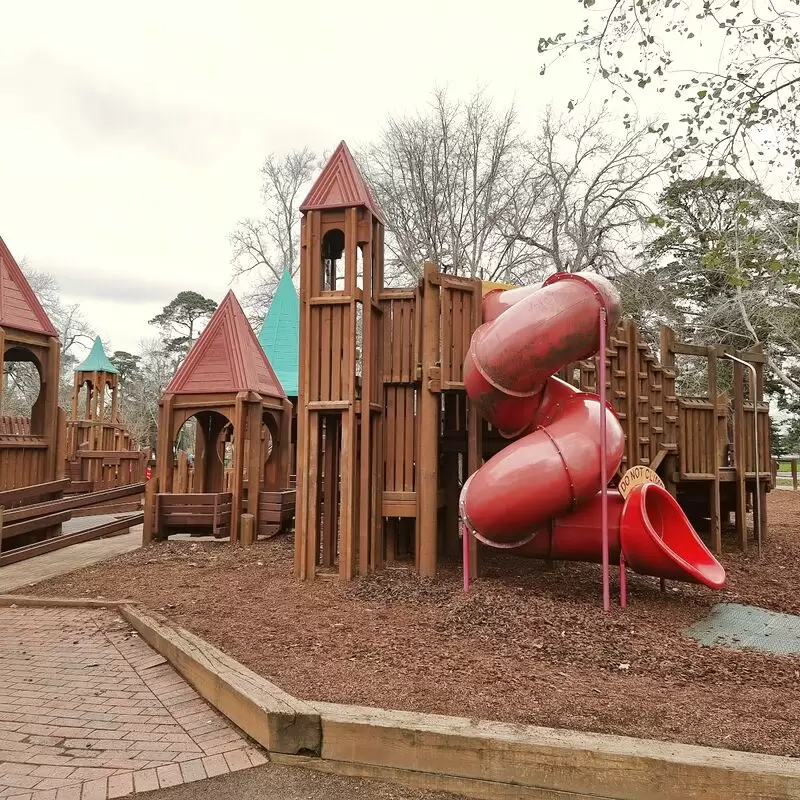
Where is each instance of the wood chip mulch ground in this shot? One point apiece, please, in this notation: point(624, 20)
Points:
point(529, 644)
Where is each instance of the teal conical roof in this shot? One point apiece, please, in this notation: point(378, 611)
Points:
point(97, 360)
point(280, 335)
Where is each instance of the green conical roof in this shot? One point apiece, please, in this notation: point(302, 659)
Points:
point(97, 360)
point(280, 335)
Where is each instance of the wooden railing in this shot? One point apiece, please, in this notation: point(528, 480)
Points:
point(107, 468)
point(25, 526)
point(201, 513)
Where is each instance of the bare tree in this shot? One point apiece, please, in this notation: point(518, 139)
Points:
point(142, 383)
point(446, 182)
point(21, 379)
point(74, 331)
point(741, 110)
point(594, 194)
point(263, 248)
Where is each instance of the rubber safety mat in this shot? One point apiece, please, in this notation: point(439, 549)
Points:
point(739, 627)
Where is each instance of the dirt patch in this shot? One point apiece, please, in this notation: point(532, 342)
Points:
point(529, 644)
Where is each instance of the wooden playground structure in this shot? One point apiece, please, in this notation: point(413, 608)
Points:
point(386, 435)
point(100, 452)
point(238, 484)
point(40, 454)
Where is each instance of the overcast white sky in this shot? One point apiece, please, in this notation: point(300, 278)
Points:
point(132, 135)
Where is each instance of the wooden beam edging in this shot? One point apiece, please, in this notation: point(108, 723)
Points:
point(497, 760)
point(267, 714)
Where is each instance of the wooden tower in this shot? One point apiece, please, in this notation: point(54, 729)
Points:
point(26, 334)
point(227, 384)
point(99, 448)
point(340, 401)
point(96, 374)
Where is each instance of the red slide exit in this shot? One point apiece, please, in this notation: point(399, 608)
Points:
point(539, 495)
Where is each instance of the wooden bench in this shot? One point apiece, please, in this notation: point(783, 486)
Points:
point(275, 512)
point(199, 514)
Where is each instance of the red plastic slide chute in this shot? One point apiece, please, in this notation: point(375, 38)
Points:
point(540, 494)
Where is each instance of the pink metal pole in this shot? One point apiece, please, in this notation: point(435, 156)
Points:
point(623, 582)
point(465, 554)
point(601, 379)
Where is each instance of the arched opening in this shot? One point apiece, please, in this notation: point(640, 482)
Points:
point(94, 402)
point(23, 394)
point(203, 451)
point(270, 451)
point(333, 261)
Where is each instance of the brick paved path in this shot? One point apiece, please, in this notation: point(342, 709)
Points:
point(88, 711)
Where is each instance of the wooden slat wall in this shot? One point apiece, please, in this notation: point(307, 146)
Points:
point(400, 336)
point(23, 461)
point(457, 300)
point(696, 417)
point(765, 461)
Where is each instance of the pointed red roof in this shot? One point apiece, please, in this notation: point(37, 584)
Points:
point(226, 358)
point(19, 306)
point(340, 185)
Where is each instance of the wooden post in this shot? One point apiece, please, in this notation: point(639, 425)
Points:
point(76, 390)
point(183, 473)
point(378, 545)
point(51, 382)
point(711, 443)
point(286, 453)
point(631, 393)
point(164, 467)
point(309, 242)
point(202, 451)
point(367, 528)
point(114, 398)
point(671, 416)
point(237, 488)
point(740, 456)
point(763, 454)
point(474, 437)
point(312, 477)
point(428, 427)
point(247, 530)
point(349, 518)
point(61, 445)
point(330, 491)
point(148, 528)
point(2, 360)
point(254, 464)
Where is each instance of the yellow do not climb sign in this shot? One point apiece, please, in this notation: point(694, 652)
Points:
point(636, 476)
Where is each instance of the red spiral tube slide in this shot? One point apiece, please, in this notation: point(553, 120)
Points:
point(540, 494)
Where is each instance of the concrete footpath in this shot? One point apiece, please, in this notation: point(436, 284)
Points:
point(76, 556)
point(276, 782)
